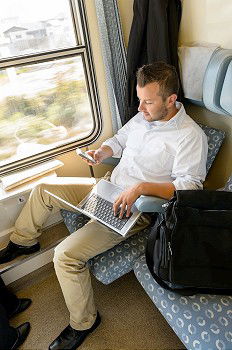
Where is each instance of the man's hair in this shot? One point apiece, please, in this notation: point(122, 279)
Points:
point(161, 73)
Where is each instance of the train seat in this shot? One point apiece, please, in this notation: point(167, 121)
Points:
point(201, 321)
point(119, 260)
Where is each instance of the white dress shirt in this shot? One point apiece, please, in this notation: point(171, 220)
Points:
point(160, 151)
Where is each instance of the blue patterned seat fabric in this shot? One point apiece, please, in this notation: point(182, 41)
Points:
point(202, 322)
point(118, 261)
point(73, 220)
point(215, 138)
point(115, 262)
point(228, 185)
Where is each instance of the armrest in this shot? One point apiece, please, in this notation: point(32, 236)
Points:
point(111, 161)
point(146, 204)
point(150, 204)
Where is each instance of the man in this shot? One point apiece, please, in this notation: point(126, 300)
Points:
point(11, 338)
point(161, 149)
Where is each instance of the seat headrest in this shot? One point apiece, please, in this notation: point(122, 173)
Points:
point(226, 98)
point(217, 84)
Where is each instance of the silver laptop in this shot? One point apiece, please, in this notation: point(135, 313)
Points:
point(98, 205)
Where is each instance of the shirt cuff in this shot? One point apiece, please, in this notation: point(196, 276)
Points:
point(116, 148)
point(187, 183)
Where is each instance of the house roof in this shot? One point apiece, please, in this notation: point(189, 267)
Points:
point(14, 29)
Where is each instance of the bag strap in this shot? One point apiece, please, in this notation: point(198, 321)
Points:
point(154, 234)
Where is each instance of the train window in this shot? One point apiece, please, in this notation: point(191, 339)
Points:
point(48, 95)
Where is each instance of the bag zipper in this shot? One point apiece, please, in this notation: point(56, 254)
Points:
point(169, 260)
point(169, 250)
point(163, 247)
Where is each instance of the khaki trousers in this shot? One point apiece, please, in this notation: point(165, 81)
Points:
point(72, 254)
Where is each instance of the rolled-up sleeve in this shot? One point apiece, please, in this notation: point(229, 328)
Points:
point(118, 142)
point(189, 168)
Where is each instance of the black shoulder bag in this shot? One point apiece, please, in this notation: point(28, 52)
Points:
point(189, 249)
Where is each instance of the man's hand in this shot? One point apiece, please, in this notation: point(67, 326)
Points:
point(100, 154)
point(125, 201)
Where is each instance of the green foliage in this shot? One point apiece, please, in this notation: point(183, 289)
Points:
point(30, 127)
point(58, 105)
point(23, 69)
point(24, 119)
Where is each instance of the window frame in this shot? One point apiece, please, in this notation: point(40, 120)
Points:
point(83, 49)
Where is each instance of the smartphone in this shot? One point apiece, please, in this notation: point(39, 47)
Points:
point(85, 155)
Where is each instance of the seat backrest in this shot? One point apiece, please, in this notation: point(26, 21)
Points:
point(215, 138)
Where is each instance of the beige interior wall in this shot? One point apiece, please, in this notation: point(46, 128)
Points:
point(126, 14)
point(207, 21)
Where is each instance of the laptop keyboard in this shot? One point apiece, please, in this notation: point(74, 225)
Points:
point(103, 209)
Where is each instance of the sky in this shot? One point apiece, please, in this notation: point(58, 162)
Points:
point(32, 10)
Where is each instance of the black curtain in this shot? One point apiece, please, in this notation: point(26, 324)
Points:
point(153, 37)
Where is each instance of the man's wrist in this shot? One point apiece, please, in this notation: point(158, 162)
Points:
point(139, 188)
point(161, 190)
point(106, 150)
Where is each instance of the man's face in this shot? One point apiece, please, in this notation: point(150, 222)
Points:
point(151, 104)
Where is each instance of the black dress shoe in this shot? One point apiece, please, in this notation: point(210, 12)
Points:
point(13, 250)
point(22, 331)
point(23, 304)
point(70, 339)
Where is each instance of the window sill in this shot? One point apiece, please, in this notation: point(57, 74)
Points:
point(26, 187)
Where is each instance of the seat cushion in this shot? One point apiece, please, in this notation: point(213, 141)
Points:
point(120, 259)
point(202, 322)
point(73, 220)
point(116, 261)
point(228, 185)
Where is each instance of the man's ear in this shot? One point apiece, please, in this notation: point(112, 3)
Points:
point(171, 100)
